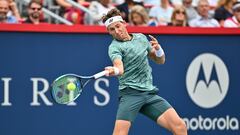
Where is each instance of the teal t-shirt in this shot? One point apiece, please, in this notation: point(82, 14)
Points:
point(134, 55)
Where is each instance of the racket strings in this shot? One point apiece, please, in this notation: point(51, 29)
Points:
point(60, 91)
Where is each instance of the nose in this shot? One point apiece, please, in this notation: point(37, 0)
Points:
point(116, 31)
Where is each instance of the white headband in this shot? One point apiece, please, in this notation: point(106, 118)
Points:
point(112, 20)
point(236, 6)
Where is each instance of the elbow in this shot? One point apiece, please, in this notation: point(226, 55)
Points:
point(160, 61)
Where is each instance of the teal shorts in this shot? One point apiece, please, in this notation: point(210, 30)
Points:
point(132, 101)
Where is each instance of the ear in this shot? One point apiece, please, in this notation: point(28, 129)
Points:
point(107, 29)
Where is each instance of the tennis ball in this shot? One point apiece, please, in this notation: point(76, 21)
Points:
point(71, 86)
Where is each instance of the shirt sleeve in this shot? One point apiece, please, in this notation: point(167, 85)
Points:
point(114, 52)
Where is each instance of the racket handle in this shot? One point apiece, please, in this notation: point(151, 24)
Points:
point(100, 74)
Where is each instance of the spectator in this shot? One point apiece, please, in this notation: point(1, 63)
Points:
point(125, 8)
point(71, 13)
point(234, 22)
point(176, 3)
point(203, 19)
point(179, 17)
point(4, 10)
point(190, 10)
point(224, 10)
point(212, 3)
point(14, 9)
point(98, 8)
point(118, 2)
point(138, 16)
point(34, 12)
point(152, 2)
point(162, 13)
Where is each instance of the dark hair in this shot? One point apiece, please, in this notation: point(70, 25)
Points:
point(35, 1)
point(111, 13)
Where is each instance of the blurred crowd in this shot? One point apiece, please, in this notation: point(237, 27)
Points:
point(182, 13)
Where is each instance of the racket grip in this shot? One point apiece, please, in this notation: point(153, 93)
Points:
point(100, 74)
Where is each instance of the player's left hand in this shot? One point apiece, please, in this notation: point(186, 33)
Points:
point(154, 43)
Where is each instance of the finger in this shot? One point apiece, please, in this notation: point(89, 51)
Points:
point(153, 42)
point(156, 46)
point(108, 68)
point(153, 38)
point(107, 72)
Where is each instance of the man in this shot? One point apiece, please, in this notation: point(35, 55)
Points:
point(125, 8)
point(129, 54)
point(34, 12)
point(191, 11)
point(203, 20)
point(162, 13)
point(98, 8)
point(234, 22)
point(4, 9)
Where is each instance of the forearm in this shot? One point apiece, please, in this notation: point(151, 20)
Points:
point(17, 14)
point(15, 11)
point(117, 68)
point(63, 3)
point(160, 60)
point(158, 56)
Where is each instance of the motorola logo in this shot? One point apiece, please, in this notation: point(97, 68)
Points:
point(207, 80)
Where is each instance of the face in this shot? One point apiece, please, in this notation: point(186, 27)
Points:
point(237, 14)
point(4, 8)
point(164, 1)
point(187, 3)
point(180, 15)
point(203, 8)
point(137, 19)
point(118, 30)
point(34, 10)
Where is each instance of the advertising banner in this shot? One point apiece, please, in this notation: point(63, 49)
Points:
point(200, 79)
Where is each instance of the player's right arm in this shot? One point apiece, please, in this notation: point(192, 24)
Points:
point(115, 54)
point(117, 68)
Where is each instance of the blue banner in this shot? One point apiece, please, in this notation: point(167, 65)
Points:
point(200, 79)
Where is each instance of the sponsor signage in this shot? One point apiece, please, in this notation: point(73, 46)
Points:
point(200, 79)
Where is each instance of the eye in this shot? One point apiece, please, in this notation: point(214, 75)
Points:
point(111, 29)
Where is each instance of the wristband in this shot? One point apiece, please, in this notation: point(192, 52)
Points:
point(159, 52)
point(116, 71)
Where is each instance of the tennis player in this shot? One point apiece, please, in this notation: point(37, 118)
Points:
point(129, 54)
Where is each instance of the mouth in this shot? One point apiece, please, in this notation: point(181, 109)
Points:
point(2, 16)
point(35, 15)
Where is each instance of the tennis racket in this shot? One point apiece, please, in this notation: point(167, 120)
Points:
point(69, 87)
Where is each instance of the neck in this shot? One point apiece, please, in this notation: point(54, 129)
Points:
point(204, 16)
point(179, 23)
point(128, 38)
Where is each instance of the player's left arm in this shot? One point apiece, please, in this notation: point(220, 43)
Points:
point(156, 53)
